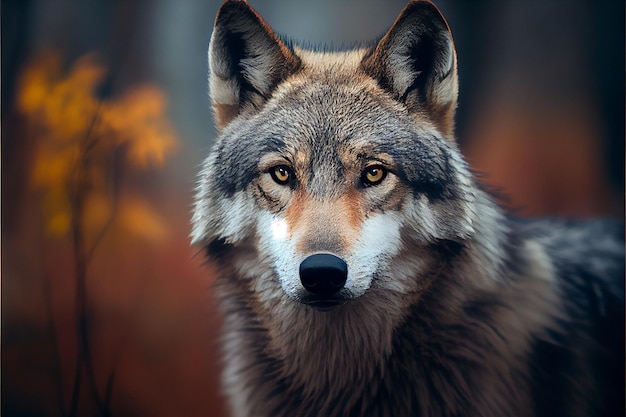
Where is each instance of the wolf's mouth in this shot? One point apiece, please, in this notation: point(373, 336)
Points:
point(323, 304)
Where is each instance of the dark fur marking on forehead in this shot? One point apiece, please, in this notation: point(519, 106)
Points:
point(244, 160)
point(424, 168)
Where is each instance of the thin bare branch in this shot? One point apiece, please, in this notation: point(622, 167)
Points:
point(56, 365)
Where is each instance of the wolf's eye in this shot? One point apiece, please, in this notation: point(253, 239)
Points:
point(281, 174)
point(373, 175)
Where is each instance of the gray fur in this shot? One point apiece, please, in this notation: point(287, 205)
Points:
point(452, 308)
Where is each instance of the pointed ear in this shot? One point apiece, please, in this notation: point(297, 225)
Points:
point(246, 62)
point(416, 62)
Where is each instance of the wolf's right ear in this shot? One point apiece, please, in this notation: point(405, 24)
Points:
point(246, 62)
point(416, 62)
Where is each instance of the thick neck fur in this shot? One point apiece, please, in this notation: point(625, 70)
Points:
point(288, 357)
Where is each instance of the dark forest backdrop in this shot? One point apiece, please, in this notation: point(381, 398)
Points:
point(106, 309)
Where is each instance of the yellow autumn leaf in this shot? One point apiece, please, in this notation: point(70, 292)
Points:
point(138, 120)
point(137, 218)
point(56, 211)
point(58, 224)
point(156, 142)
point(80, 134)
point(86, 72)
point(35, 82)
point(53, 167)
point(70, 108)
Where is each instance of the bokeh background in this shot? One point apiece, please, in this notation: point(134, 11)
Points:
point(106, 309)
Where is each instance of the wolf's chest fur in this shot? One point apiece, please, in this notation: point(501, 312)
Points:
point(363, 271)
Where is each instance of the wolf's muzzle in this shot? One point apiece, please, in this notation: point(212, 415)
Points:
point(323, 275)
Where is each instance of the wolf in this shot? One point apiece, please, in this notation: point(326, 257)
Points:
point(363, 270)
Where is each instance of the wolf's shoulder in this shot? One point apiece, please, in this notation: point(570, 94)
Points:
point(593, 245)
point(588, 257)
point(557, 227)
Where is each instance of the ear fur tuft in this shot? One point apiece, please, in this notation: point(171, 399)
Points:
point(415, 61)
point(247, 61)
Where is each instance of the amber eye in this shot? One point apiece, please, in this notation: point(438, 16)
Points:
point(281, 174)
point(373, 175)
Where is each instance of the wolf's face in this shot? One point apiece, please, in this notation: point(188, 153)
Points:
point(330, 166)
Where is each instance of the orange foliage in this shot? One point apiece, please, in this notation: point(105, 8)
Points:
point(78, 136)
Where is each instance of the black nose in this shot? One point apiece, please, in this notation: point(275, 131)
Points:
point(323, 274)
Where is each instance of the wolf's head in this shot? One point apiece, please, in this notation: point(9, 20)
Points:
point(336, 173)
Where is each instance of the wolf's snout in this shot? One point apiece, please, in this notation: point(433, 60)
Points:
point(323, 274)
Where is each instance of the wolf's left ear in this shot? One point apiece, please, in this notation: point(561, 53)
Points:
point(247, 61)
point(416, 62)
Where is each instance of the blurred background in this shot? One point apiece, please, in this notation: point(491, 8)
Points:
point(106, 309)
